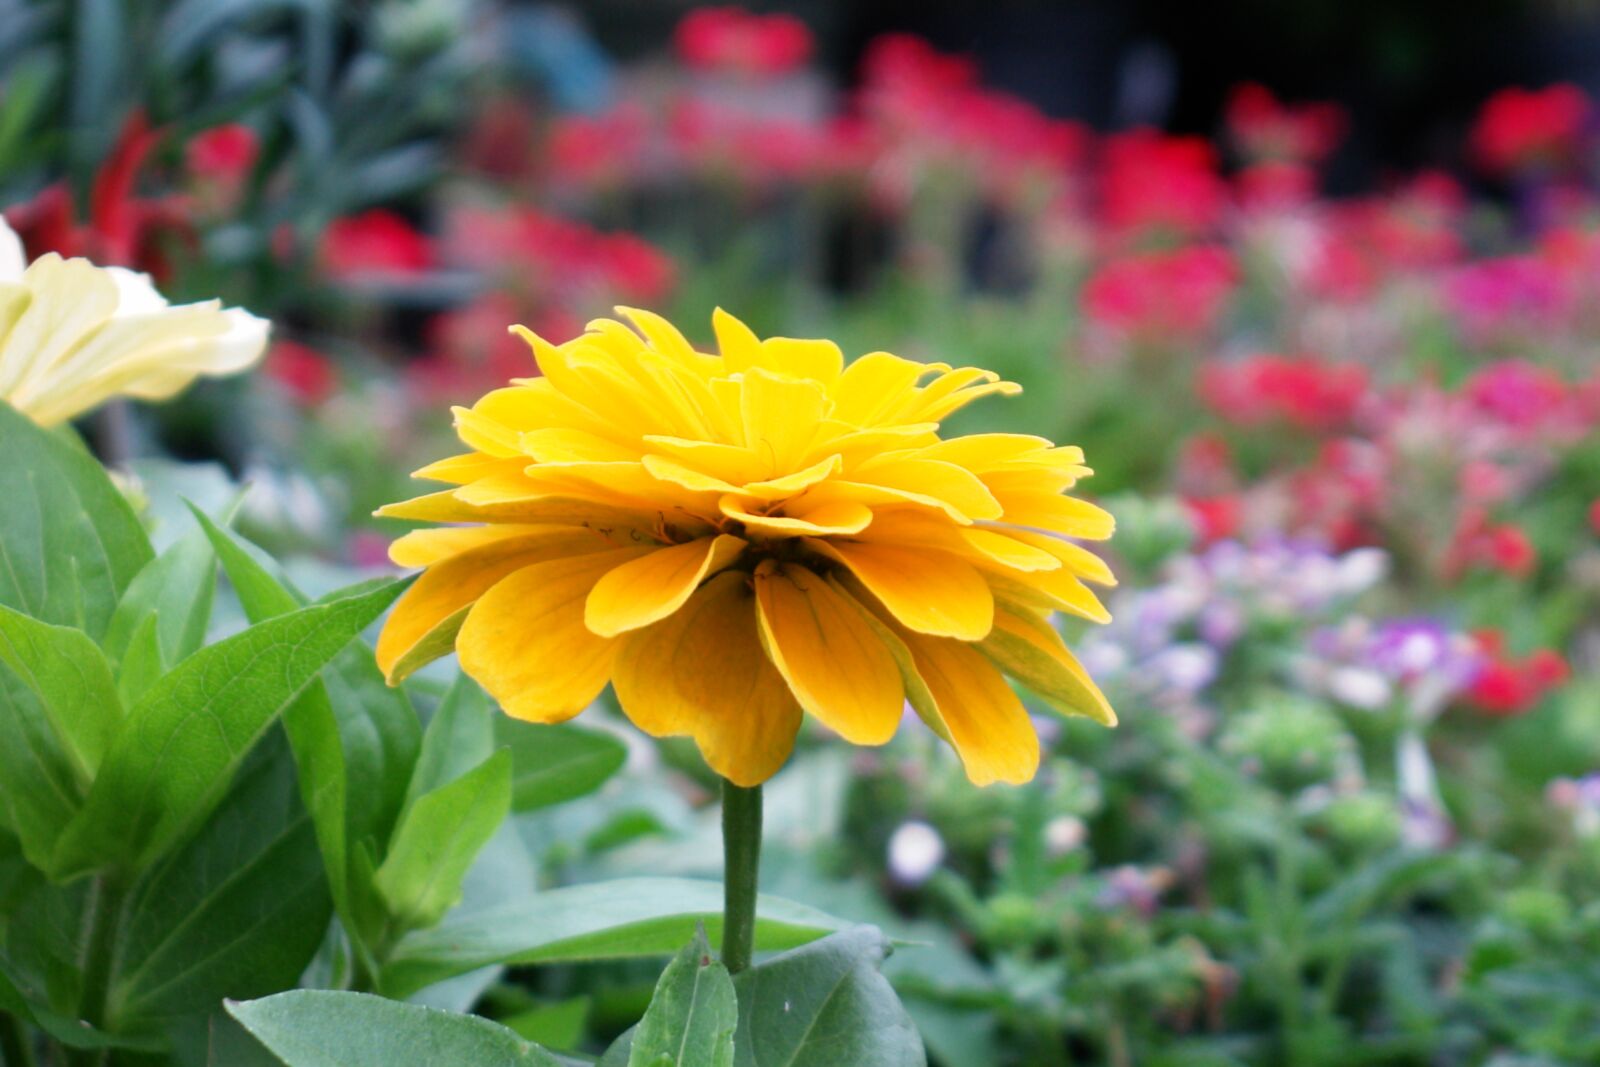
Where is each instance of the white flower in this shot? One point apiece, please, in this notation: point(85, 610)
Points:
point(915, 852)
point(73, 335)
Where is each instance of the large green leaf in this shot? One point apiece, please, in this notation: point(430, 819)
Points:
point(238, 911)
point(629, 917)
point(438, 838)
point(692, 1017)
point(69, 543)
point(355, 739)
point(823, 1005)
point(554, 764)
point(181, 744)
point(316, 1028)
point(69, 675)
point(39, 791)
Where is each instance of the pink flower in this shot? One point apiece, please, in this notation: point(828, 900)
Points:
point(1506, 685)
point(1518, 393)
point(223, 153)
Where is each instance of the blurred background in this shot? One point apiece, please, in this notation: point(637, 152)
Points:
point(1315, 285)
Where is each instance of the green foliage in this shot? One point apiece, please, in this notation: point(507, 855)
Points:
point(692, 1016)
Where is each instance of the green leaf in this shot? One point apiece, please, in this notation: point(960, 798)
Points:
point(559, 1025)
point(692, 1017)
point(141, 662)
point(626, 918)
point(825, 1004)
point(317, 1028)
point(554, 764)
point(180, 746)
point(176, 589)
point(438, 838)
point(459, 737)
point(69, 543)
point(72, 680)
point(237, 911)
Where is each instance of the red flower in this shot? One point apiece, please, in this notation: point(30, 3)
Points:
point(304, 373)
point(732, 39)
point(1180, 292)
point(374, 243)
point(1152, 181)
point(1302, 392)
point(1507, 686)
point(123, 229)
point(223, 153)
point(1265, 129)
point(1215, 518)
point(1594, 516)
point(1503, 547)
point(1530, 128)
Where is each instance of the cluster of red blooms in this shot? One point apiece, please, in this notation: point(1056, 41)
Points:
point(1523, 130)
point(1161, 296)
point(1305, 393)
point(734, 40)
point(1507, 685)
point(1265, 130)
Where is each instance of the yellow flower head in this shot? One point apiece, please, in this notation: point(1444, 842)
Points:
point(73, 335)
point(733, 539)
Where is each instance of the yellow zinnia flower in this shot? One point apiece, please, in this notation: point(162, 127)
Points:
point(73, 335)
point(733, 539)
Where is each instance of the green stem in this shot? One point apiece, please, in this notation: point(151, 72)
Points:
point(106, 898)
point(741, 853)
point(16, 1043)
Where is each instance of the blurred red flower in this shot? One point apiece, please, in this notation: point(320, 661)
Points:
point(1152, 181)
point(306, 375)
point(1178, 292)
point(1506, 685)
point(1302, 392)
point(733, 39)
point(1522, 129)
point(375, 243)
point(1265, 129)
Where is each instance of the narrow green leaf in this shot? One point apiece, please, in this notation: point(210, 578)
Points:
point(626, 918)
point(141, 663)
point(318, 1028)
point(69, 543)
point(70, 676)
point(438, 838)
point(823, 1005)
point(180, 746)
point(558, 1025)
point(459, 737)
point(692, 1017)
point(554, 764)
point(237, 911)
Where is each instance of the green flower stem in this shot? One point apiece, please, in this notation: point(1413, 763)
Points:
point(107, 896)
point(741, 854)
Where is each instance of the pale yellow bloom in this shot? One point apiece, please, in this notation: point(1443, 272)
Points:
point(74, 335)
point(735, 539)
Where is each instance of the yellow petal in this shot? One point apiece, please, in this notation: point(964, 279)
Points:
point(1030, 650)
point(701, 672)
point(831, 657)
point(927, 590)
point(652, 587)
point(873, 386)
point(564, 444)
point(447, 587)
point(421, 548)
point(1064, 515)
point(955, 490)
point(985, 721)
point(818, 360)
point(460, 470)
point(837, 518)
point(790, 484)
point(1082, 562)
point(525, 641)
point(781, 416)
point(740, 347)
point(1009, 551)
